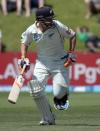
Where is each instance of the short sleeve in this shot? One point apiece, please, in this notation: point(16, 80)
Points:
point(64, 30)
point(26, 37)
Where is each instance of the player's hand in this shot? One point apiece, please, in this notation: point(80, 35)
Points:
point(70, 58)
point(22, 62)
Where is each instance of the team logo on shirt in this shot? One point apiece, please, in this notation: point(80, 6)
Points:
point(37, 36)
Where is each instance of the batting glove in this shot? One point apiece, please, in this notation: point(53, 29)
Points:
point(70, 58)
point(24, 62)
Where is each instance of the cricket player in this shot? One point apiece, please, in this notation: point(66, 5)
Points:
point(52, 61)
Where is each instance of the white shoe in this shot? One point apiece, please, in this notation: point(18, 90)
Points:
point(42, 122)
point(47, 122)
point(62, 107)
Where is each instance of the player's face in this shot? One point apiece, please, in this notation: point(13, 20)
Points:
point(44, 24)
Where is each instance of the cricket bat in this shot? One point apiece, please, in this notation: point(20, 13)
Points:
point(16, 87)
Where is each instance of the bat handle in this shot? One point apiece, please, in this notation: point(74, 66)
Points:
point(23, 69)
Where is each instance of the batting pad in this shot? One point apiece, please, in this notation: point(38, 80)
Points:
point(41, 101)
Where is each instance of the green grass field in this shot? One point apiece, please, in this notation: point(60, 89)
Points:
point(83, 115)
point(70, 12)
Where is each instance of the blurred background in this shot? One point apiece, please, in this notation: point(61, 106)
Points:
point(72, 13)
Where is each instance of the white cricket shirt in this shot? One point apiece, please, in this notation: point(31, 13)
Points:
point(50, 44)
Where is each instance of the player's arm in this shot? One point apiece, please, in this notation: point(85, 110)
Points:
point(67, 32)
point(71, 56)
point(24, 49)
point(24, 61)
point(72, 42)
point(26, 39)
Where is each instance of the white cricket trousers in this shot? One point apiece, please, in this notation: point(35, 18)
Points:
point(56, 71)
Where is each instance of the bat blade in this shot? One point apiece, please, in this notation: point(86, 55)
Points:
point(15, 90)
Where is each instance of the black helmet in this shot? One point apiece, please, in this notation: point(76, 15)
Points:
point(44, 13)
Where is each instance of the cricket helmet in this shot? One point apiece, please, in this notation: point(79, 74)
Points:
point(44, 13)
